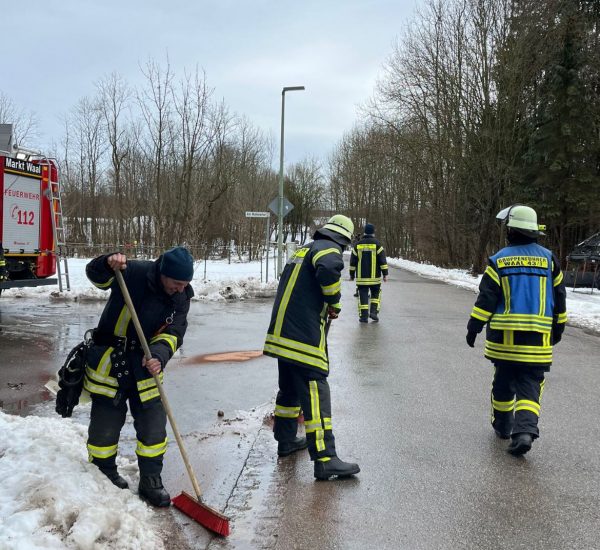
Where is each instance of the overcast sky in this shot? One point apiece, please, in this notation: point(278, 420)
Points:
point(54, 51)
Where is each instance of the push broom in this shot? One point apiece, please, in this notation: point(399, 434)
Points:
point(193, 507)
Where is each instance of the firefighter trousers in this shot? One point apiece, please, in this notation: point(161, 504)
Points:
point(363, 299)
point(302, 389)
point(106, 421)
point(516, 399)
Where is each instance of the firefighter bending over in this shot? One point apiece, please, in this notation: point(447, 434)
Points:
point(117, 371)
point(309, 294)
point(522, 300)
point(368, 264)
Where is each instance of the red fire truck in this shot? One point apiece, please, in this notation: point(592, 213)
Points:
point(27, 216)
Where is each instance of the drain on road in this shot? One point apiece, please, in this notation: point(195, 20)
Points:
point(225, 357)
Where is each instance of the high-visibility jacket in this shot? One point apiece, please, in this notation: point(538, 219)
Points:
point(112, 366)
point(310, 282)
point(368, 262)
point(522, 299)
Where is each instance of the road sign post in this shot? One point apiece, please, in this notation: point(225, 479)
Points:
point(281, 207)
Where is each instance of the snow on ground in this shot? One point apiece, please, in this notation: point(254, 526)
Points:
point(52, 497)
point(224, 281)
point(583, 307)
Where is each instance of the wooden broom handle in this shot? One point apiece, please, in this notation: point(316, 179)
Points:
point(161, 391)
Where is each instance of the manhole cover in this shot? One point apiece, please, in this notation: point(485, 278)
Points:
point(227, 356)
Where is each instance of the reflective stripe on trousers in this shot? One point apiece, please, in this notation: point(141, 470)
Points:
point(300, 389)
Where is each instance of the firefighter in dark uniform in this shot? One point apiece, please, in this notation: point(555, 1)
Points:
point(308, 295)
point(522, 300)
point(116, 370)
point(368, 265)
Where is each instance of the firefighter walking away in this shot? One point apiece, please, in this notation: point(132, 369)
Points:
point(522, 300)
point(308, 298)
point(368, 265)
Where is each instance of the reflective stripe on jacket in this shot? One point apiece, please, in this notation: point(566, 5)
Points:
point(368, 262)
point(522, 299)
point(163, 319)
point(310, 282)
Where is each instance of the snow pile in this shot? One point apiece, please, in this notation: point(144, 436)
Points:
point(223, 281)
point(52, 497)
point(583, 307)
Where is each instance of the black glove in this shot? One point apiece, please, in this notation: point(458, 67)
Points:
point(471, 338)
point(557, 332)
point(66, 400)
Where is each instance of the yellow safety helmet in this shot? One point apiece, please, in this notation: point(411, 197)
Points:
point(340, 224)
point(521, 218)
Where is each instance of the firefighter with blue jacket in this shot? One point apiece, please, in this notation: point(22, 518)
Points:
point(117, 371)
point(308, 296)
point(368, 265)
point(522, 300)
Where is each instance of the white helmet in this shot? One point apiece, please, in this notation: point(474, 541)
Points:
point(521, 218)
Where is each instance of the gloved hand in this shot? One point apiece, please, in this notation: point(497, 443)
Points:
point(66, 400)
point(557, 332)
point(471, 338)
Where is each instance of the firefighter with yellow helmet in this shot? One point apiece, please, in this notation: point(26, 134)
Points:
point(308, 296)
point(522, 300)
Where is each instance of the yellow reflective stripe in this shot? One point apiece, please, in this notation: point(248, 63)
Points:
point(481, 314)
point(105, 362)
point(331, 290)
point(149, 382)
point(97, 377)
point(151, 450)
point(327, 424)
point(322, 253)
point(170, 339)
point(380, 250)
point(287, 412)
point(366, 246)
point(286, 298)
point(294, 344)
point(562, 318)
point(315, 409)
point(383, 266)
point(527, 405)
point(368, 281)
point(492, 274)
point(518, 357)
point(307, 359)
point(103, 285)
point(543, 281)
point(506, 292)
point(558, 279)
point(324, 459)
point(354, 251)
point(337, 306)
point(122, 322)
point(542, 385)
point(352, 268)
point(503, 406)
point(100, 390)
point(102, 452)
point(150, 394)
point(524, 349)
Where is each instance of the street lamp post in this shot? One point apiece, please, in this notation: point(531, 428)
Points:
point(280, 209)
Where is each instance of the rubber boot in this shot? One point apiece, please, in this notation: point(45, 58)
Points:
point(115, 478)
point(520, 444)
point(285, 448)
point(364, 316)
point(151, 490)
point(334, 467)
point(373, 314)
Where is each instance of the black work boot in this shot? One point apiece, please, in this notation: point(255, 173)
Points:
point(115, 478)
point(364, 317)
point(151, 490)
point(520, 444)
point(285, 448)
point(501, 434)
point(373, 315)
point(334, 467)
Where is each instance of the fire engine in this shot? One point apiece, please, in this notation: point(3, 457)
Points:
point(30, 219)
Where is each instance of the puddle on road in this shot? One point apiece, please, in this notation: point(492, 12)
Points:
point(224, 357)
point(22, 405)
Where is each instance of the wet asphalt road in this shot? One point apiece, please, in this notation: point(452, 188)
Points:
point(410, 405)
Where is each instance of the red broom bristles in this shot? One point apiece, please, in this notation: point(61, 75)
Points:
point(204, 515)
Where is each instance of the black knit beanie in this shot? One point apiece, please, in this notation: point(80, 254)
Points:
point(177, 263)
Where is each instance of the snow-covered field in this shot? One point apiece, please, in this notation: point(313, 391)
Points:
point(51, 497)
